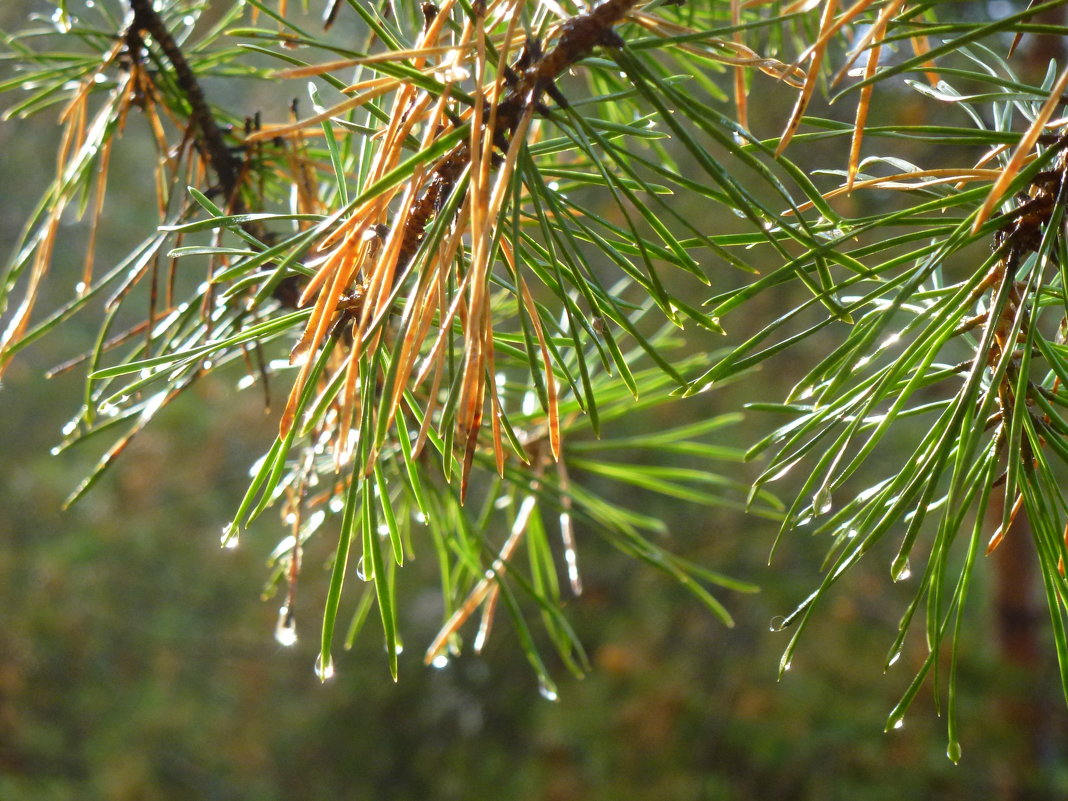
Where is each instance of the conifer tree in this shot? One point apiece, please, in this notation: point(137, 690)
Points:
point(465, 250)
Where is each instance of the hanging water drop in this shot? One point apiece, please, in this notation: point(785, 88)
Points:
point(953, 751)
point(360, 573)
point(300, 353)
point(899, 723)
point(286, 630)
point(778, 623)
point(440, 661)
point(901, 570)
point(325, 671)
point(229, 536)
point(821, 501)
point(547, 690)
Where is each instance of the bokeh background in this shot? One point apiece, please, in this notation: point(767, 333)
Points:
point(137, 659)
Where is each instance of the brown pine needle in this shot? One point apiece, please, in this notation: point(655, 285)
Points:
point(381, 87)
point(1022, 152)
point(880, 24)
point(485, 625)
point(1060, 561)
point(720, 50)
point(553, 410)
point(895, 182)
point(1019, 35)
point(920, 45)
point(863, 104)
point(846, 17)
point(741, 97)
point(794, 8)
point(311, 70)
point(999, 535)
point(487, 583)
point(303, 353)
point(810, 81)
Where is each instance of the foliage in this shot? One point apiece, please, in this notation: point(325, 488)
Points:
point(427, 249)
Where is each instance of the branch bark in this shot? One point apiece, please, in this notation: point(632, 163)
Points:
point(226, 166)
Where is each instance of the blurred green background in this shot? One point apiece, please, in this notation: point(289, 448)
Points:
point(137, 660)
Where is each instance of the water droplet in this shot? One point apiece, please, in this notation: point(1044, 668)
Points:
point(286, 630)
point(325, 672)
point(440, 661)
point(821, 501)
point(69, 427)
point(900, 570)
point(547, 690)
point(337, 504)
point(360, 573)
point(299, 354)
point(778, 623)
point(229, 538)
point(398, 647)
point(899, 723)
point(56, 450)
point(851, 534)
point(62, 20)
point(953, 751)
point(786, 666)
point(893, 660)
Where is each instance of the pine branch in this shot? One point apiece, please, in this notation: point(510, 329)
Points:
point(227, 168)
point(531, 76)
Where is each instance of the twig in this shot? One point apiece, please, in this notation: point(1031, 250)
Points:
point(226, 167)
point(531, 76)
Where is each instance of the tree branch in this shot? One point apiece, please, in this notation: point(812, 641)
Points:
point(227, 168)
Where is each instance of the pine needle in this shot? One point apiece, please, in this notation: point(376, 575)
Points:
point(810, 81)
point(1022, 152)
